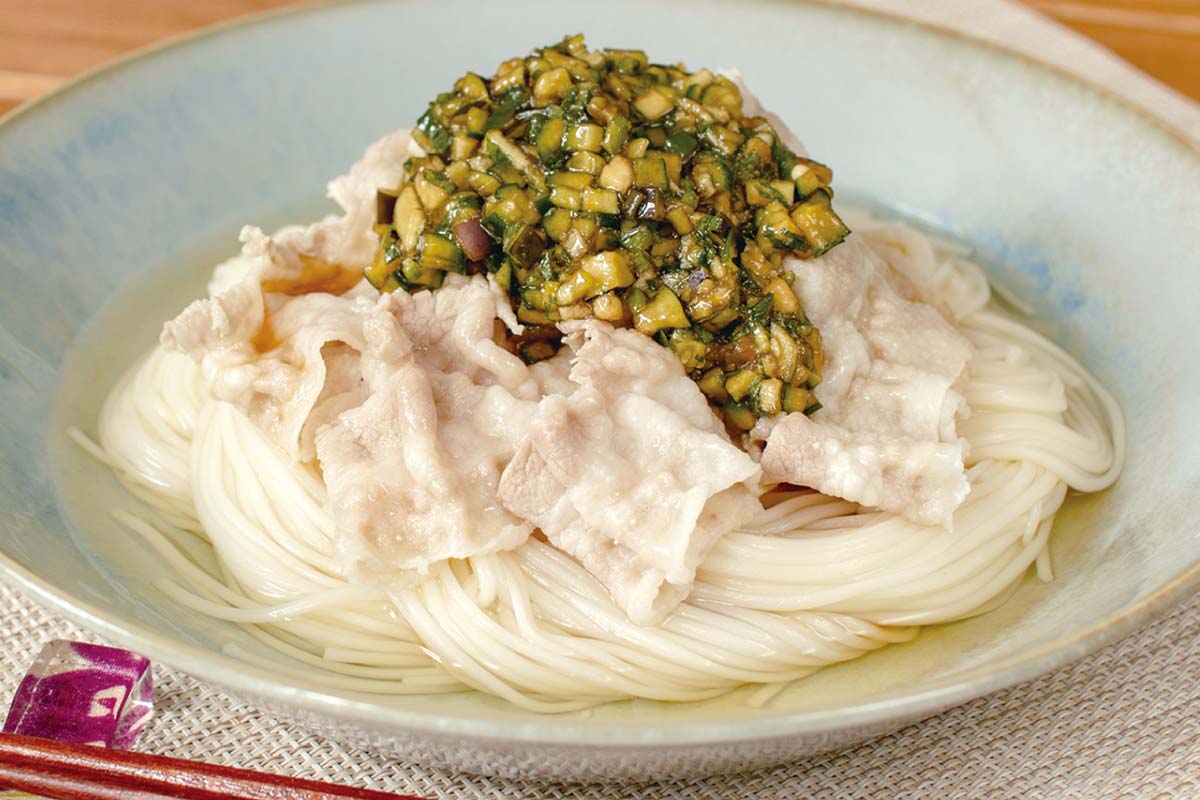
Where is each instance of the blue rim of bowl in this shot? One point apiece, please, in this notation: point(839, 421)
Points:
point(259, 683)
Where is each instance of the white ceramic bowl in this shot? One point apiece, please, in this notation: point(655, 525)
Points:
point(116, 192)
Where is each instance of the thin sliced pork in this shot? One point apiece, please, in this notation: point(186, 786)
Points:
point(413, 471)
point(631, 474)
point(885, 436)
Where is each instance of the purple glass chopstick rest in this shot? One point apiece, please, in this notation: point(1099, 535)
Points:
point(84, 693)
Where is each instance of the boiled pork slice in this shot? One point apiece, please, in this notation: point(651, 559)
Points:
point(885, 436)
point(413, 471)
point(631, 474)
point(282, 309)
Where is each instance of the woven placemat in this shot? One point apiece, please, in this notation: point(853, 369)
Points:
point(1123, 723)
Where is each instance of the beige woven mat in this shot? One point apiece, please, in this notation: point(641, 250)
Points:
point(1124, 723)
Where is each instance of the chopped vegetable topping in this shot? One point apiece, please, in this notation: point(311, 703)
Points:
point(594, 183)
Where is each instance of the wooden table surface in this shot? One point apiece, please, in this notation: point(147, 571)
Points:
point(43, 42)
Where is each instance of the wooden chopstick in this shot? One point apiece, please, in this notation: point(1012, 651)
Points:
point(82, 772)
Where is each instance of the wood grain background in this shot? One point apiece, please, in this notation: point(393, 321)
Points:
point(43, 42)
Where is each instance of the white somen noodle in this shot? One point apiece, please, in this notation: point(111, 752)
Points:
point(812, 581)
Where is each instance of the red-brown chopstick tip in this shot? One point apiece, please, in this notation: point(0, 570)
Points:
point(61, 770)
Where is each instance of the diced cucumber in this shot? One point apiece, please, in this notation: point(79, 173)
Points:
point(433, 136)
point(650, 173)
point(819, 223)
point(583, 161)
point(739, 383)
point(682, 143)
point(712, 383)
point(688, 348)
point(439, 252)
point(588, 136)
point(524, 243)
point(780, 229)
point(654, 103)
point(556, 223)
point(549, 139)
point(617, 174)
point(408, 218)
point(615, 134)
point(609, 270)
point(551, 85)
point(565, 197)
point(569, 180)
point(385, 205)
point(600, 201)
point(796, 399)
point(663, 311)
point(806, 179)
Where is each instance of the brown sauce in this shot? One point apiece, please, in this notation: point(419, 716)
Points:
point(315, 275)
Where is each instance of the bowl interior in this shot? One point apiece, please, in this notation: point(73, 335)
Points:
point(118, 194)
